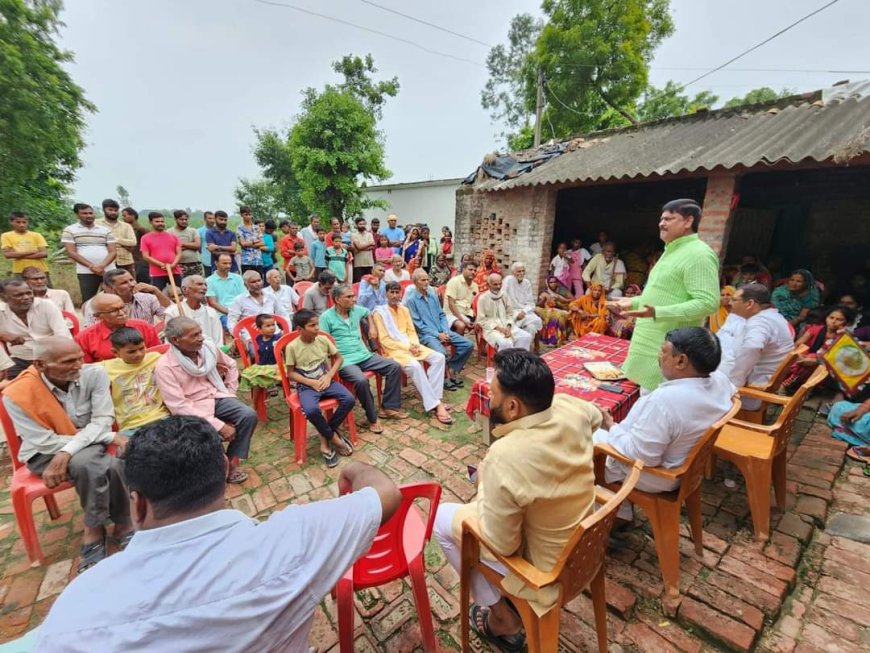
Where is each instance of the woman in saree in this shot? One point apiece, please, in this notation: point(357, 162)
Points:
point(796, 297)
point(588, 313)
point(717, 319)
point(818, 338)
point(552, 308)
point(487, 267)
point(621, 326)
point(412, 245)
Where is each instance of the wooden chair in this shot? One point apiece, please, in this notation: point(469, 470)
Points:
point(580, 565)
point(759, 451)
point(248, 325)
point(774, 384)
point(663, 508)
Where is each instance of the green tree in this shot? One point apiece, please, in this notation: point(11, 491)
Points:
point(670, 102)
point(261, 195)
point(123, 196)
point(42, 114)
point(357, 73)
point(758, 96)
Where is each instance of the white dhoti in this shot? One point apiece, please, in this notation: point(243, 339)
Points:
point(519, 339)
point(531, 322)
point(429, 383)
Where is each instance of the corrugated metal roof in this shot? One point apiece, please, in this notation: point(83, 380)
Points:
point(817, 126)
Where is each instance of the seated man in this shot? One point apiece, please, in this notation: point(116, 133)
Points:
point(765, 342)
point(607, 269)
point(372, 290)
point(135, 394)
point(195, 306)
point(285, 295)
point(664, 425)
point(247, 585)
point(342, 322)
point(223, 286)
point(62, 411)
point(458, 296)
point(253, 302)
point(38, 281)
point(196, 378)
point(399, 340)
point(143, 301)
point(112, 315)
point(518, 291)
point(432, 328)
point(318, 298)
point(495, 315)
point(312, 363)
point(24, 320)
point(536, 484)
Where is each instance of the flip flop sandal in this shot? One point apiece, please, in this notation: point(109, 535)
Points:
point(347, 444)
point(446, 420)
point(331, 458)
point(859, 453)
point(92, 554)
point(237, 477)
point(507, 643)
point(376, 428)
point(124, 541)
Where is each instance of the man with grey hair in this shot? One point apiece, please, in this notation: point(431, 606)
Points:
point(196, 378)
point(518, 291)
point(193, 289)
point(285, 295)
point(62, 411)
point(253, 302)
point(495, 315)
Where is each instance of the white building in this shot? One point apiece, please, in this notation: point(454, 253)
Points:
point(427, 202)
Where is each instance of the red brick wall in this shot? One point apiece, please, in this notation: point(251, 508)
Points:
point(716, 212)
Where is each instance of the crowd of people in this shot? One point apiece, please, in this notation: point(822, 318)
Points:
point(150, 379)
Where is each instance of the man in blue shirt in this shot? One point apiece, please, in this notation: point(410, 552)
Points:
point(223, 286)
point(372, 289)
point(431, 324)
point(204, 253)
point(396, 235)
point(317, 251)
point(220, 240)
point(342, 322)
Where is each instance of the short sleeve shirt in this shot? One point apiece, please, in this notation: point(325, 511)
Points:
point(310, 359)
point(250, 255)
point(363, 259)
point(187, 236)
point(224, 290)
point(347, 334)
point(337, 262)
point(160, 245)
point(26, 242)
point(135, 393)
point(92, 243)
point(461, 293)
point(304, 266)
point(223, 238)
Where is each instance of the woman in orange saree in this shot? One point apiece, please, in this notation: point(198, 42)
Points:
point(487, 267)
point(588, 313)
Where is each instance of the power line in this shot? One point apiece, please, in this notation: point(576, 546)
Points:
point(738, 70)
point(427, 23)
point(556, 97)
point(285, 5)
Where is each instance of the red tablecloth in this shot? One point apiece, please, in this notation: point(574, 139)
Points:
point(566, 364)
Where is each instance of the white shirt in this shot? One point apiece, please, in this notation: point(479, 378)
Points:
point(558, 264)
point(90, 243)
point(308, 235)
point(208, 319)
point(286, 297)
point(245, 305)
point(729, 334)
point(389, 275)
point(61, 299)
point(663, 426)
point(218, 582)
point(519, 294)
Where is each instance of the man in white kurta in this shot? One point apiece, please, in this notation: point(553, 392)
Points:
point(495, 315)
point(193, 289)
point(286, 296)
point(766, 341)
point(518, 290)
point(664, 425)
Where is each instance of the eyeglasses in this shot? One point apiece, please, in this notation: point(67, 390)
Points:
point(111, 311)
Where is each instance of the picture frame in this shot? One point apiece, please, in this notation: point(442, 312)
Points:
point(847, 362)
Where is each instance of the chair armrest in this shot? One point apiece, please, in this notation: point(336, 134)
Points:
point(517, 565)
point(604, 449)
point(755, 393)
point(750, 426)
point(672, 474)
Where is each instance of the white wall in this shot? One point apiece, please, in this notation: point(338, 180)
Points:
point(429, 202)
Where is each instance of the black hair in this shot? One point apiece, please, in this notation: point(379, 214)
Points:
point(750, 268)
point(111, 204)
point(359, 219)
point(221, 214)
point(526, 376)
point(302, 317)
point(270, 224)
point(298, 245)
point(109, 275)
point(177, 464)
point(154, 215)
point(849, 313)
point(757, 292)
point(701, 346)
point(80, 206)
point(218, 257)
point(177, 213)
point(260, 320)
point(12, 281)
point(125, 336)
point(392, 285)
point(17, 215)
point(687, 209)
point(471, 263)
point(284, 223)
point(245, 209)
point(205, 213)
point(131, 211)
point(326, 277)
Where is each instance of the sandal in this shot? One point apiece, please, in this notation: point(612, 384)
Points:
point(237, 477)
point(331, 458)
point(92, 554)
point(445, 420)
point(376, 428)
point(348, 447)
point(507, 643)
point(860, 454)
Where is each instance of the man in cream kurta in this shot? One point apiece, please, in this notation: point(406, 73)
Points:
point(495, 315)
point(518, 290)
point(399, 340)
point(535, 484)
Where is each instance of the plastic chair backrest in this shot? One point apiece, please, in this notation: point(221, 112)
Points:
point(279, 348)
point(12, 438)
point(786, 419)
point(404, 284)
point(75, 327)
point(474, 305)
point(160, 349)
point(356, 289)
point(249, 326)
point(387, 559)
point(441, 292)
point(781, 372)
point(301, 286)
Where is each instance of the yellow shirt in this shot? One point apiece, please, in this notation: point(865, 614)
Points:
point(396, 349)
point(461, 293)
point(125, 240)
point(135, 393)
point(537, 484)
point(26, 242)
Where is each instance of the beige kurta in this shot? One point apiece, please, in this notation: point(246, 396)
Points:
point(395, 349)
point(492, 313)
point(537, 484)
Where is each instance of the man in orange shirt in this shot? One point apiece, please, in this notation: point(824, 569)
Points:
point(285, 245)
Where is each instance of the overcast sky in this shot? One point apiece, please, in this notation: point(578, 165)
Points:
point(179, 84)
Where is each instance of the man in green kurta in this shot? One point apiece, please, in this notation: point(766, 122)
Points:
point(682, 290)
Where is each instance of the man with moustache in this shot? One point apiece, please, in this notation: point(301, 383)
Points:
point(92, 246)
point(125, 237)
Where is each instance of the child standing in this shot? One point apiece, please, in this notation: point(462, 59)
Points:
point(383, 252)
point(338, 259)
point(301, 266)
point(318, 251)
point(312, 362)
point(23, 247)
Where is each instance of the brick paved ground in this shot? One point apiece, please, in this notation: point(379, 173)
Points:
point(802, 591)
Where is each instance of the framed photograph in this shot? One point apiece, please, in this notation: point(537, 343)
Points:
point(847, 362)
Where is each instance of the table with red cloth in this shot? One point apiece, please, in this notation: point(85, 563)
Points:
point(571, 376)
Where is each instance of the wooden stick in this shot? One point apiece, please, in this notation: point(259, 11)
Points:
point(175, 293)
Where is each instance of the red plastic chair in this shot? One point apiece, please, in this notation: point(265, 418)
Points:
point(298, 423)
point(301, 286)
point(25, 488)
point(405, 284)
point(396, 552)
point(73, 322)
point(356, 289)
point(249, 325)
point(441, 291)
point(160, 349)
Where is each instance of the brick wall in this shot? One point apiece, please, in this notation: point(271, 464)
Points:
point(716, 211)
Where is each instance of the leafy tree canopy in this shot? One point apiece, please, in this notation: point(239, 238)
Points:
point(670, 101)
point(758, 95)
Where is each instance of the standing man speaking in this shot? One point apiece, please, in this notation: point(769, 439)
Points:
point(682, 289)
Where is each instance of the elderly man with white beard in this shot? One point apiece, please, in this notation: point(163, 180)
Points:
point(518, 290)
point(195, 306)
point(495, 315)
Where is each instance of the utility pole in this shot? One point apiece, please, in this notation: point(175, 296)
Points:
point(539, 107)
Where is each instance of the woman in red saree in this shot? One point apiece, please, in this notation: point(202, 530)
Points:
point(487, 267)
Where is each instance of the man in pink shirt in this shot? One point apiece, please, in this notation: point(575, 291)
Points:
point(195, 378)
point(160, 248)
